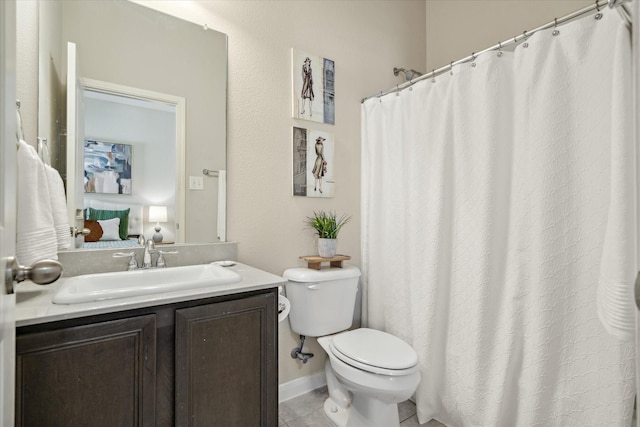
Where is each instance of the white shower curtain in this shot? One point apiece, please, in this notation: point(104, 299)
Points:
point(495, 202)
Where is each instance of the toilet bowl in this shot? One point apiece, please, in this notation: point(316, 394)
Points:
point(368, 371)
point(376, 370)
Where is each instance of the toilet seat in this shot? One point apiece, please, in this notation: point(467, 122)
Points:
point(375, 351)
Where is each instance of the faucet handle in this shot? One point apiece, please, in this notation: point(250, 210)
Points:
point(133, 262)
point(161, 263)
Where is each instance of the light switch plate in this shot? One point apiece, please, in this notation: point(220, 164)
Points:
point(196, 183)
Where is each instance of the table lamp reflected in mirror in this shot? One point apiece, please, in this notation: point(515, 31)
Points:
point(157, 214)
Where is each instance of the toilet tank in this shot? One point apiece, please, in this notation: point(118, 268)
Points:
point(322, 301)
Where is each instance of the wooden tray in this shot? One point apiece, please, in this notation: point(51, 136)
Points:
point(314, 261)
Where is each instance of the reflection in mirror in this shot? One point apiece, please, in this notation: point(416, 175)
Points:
point(133, 147)
point(125, 45)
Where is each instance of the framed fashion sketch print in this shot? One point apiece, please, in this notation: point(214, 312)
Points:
point(313, 79)
point(313, 166)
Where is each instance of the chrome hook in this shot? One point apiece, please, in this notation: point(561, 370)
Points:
point(598, 15)
point(555, 26)
point(526, 43)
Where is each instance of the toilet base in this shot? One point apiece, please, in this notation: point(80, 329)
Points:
point(336, 414)
point(363, 412)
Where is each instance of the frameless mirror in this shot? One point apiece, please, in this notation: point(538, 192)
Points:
point(151, 90)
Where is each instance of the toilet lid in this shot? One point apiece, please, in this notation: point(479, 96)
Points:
point(374, 348)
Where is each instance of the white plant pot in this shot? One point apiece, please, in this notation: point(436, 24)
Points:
point(327, 247)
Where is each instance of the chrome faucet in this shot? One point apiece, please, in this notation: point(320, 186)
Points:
point(149, 248)
point(133, 262)
point(160, 262)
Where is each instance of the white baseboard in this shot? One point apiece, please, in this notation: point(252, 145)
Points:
point(300, 386)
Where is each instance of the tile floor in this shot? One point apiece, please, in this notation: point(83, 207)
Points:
point(306, 411)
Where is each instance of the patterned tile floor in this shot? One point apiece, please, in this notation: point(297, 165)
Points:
point(306, 411)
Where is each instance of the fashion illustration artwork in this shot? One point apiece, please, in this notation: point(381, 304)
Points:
point(313, 87)
point(313, 163)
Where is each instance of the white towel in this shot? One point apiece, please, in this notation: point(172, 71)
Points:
point(58, 208)
point(36, 235)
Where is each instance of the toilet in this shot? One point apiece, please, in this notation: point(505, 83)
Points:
point(368, 371)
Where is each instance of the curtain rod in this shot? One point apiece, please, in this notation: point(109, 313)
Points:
point(596, 6)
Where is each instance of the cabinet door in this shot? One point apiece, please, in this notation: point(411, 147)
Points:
point(226, 364)
point(101, 374)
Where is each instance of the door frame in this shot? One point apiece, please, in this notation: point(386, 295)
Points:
point(8, 202)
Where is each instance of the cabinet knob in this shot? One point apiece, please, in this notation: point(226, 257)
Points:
point(41, 272)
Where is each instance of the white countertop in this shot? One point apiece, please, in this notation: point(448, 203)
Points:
point(34, 302)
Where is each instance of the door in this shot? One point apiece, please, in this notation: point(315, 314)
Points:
point(75, 145)
point(7, 204)
point(636, 71)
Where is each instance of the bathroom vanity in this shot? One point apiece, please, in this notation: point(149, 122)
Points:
point(188, 358)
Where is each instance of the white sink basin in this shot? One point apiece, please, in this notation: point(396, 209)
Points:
point(123, 284)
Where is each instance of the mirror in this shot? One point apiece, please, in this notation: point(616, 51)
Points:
point(120, 44)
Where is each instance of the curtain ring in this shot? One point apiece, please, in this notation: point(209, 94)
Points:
point(433, 76)
point(451, 68)
point(397, 90)
point(473, 59)
point(555, 26)
point(526, 43)
point(499, 49)
point(598, 15)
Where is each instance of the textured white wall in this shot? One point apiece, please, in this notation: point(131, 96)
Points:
point(366, 40)
point(457, 28)
point(27, 67)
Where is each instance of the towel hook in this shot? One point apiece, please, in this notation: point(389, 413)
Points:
point(555, 26)
point(598, 15)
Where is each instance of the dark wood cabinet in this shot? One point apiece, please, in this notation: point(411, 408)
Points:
point(100, 374)
point(211, 362)
point(224, 359)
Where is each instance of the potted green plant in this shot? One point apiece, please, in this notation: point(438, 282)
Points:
point(327, 225)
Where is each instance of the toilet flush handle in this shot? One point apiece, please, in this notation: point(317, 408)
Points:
point(313, 287)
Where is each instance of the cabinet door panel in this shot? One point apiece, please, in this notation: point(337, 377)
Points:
point(226, 363)
point(100, 374)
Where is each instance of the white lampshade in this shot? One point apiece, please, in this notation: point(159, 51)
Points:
point(157, 214)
